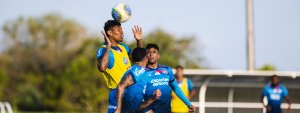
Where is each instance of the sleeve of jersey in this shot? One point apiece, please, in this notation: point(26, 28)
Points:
point(100, 52)
point(190, 85)
point(264, 92)
point(285, 92)
point(133, 76)
point(179, 93)
point(127, 48)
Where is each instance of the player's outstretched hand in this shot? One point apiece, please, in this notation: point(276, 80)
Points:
point(118, 111)
point(288, 110)
point(191, 109)
point(106, 39)
point(156, 94)
point(137, 32)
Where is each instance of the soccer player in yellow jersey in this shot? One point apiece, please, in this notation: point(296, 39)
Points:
point(186, 85)
point(113, 57)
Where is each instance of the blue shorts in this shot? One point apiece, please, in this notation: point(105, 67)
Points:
point(112, 101)
point(275, 109)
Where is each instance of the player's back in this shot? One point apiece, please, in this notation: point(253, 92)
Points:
point(159, 79)
point(133, 95)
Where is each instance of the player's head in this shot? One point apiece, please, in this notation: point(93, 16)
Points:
point(153, 53)
point(139, 55)
point(179, 71)
point(275, 80)
point(113, 30)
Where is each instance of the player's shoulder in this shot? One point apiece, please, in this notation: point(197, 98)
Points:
point(100, 51)
point(128, 49)
point(164, 67)
point(124, 45)
point(136, 70)
point(187, 79)
point(267, 86)
point(282, 86)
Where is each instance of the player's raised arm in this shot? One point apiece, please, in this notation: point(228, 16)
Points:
point(156, 95)
point(103, 60)
point(127, 81)
point(138, 34)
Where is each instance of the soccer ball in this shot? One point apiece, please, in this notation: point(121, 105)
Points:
point(121, 12)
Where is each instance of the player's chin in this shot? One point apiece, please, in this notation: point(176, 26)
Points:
point(151, 61)
point(120, 40)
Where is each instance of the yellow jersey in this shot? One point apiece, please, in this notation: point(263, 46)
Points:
point(119, 63)
point(177, 106)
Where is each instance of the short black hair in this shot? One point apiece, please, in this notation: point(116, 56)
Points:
point(151, 45)
point(273, 76)
point(110, 24)
point(179, 67)
point(138, 54)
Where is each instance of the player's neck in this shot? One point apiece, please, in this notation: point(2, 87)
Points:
point(154, 65)
point(141, 64)
point(274, 85)
point(179, 79)
point(114, 43)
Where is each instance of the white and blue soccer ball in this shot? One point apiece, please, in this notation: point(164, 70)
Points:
point(121, 12)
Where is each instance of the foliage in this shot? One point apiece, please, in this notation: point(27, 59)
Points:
point(50, 65)
point(173, 50)
point(268, 67)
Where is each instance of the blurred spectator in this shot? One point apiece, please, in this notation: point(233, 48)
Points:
point(186, 86)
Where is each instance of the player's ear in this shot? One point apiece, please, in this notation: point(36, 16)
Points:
point(146, 58)
point(109, 33)
point(158, 56)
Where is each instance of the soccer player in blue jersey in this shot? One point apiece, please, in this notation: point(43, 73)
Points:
point(113, 57)
point(133, 84)
point(275, 93)
point(162, 78)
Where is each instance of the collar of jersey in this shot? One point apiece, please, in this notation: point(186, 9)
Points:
point(117, 48)
point(158, 66)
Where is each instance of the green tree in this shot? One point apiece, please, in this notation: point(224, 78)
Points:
point(268, 67)
point(174, 50)
point(50, 65)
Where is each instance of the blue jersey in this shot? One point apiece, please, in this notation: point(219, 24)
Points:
point(133, 95)
point(160, 78)
point(275, 95)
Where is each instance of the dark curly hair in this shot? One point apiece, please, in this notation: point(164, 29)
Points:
point(110, 24)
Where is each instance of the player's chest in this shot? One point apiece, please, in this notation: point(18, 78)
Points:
point(275, 93)
point(159, 80)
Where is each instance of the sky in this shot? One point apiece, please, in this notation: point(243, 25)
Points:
point(219, 25)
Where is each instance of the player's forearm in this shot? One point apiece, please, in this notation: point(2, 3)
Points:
point(179, 93)
point(288, 100)
point(192, 94)
point(139, 43)
point(103, 61)
point(145, 104)
point(120, 92)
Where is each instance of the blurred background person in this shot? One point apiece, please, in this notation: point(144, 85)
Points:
point(186, 85)
point(275, 93)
